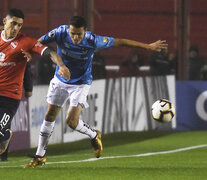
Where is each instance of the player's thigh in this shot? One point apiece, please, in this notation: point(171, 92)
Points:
point(57, 93)
point(8, 108)
point(5, 119)
point(78, 95)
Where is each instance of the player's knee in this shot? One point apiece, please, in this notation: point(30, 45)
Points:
point(50, 117)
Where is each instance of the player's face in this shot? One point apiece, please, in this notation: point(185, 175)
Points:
point(76, 34)
point(12, 26)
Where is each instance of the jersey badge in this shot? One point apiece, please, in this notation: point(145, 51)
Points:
point(105, 40)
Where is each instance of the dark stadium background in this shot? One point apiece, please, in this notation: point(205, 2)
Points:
point(180, 22)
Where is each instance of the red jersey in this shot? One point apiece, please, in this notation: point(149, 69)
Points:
point(13, 63)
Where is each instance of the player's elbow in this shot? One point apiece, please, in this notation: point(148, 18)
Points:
point(118, 42)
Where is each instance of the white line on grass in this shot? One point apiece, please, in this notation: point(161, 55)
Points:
point(126, 156)
point(136, 155)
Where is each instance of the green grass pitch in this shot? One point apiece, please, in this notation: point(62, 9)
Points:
point(149, 155)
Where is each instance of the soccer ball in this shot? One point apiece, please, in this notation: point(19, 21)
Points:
point(163, 110)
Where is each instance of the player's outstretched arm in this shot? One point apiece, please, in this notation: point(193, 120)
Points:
point(156, 46)
point(63, 70)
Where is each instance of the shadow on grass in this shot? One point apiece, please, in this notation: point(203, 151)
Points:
point(109, 140)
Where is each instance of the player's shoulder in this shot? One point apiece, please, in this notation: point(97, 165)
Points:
point(62, 28)
point(60, 31)
point(90, 37)
point(25, 40)
point(24, 37)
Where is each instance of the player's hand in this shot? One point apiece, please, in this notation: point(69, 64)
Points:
point(64, 71)
point(27, 55)
point(158, 45)
point(27, 94)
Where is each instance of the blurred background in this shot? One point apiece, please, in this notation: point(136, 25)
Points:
point(182, 23)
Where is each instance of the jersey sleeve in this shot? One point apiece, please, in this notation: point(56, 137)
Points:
point(56, 35)
point(103, 42)
point(38, 47)
point(32, 45)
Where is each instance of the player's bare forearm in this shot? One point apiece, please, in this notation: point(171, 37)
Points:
point(130, 43)
point(156, 46)
point(63, 70)
point(53, 56)
point(40, 40)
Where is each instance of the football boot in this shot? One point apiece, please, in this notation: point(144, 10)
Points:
point(36, 161)
point(97, 145)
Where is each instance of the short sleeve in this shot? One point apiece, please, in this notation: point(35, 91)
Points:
point(55, 35)
point(31, 44)
point(38, 48)
point(103, 42)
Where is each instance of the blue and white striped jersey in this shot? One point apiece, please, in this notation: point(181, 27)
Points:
point(78, 58)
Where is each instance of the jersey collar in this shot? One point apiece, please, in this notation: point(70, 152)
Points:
point(6, 40)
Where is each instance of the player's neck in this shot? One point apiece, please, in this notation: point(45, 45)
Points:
point(6, 38)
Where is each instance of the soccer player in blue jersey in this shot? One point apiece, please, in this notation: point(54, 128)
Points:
point(76, 46)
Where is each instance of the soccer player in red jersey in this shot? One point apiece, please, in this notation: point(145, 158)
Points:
point(13, 49)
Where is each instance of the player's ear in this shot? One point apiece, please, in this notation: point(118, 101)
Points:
point(85, 29)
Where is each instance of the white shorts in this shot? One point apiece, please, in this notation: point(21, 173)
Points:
point(59, 93)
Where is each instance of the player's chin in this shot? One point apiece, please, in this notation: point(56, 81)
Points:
point(76, 42)
point(13, 35)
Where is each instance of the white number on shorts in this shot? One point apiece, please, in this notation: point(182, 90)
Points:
point(4, 120)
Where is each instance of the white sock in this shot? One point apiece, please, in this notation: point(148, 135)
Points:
point(84, 128)
point(45, 133)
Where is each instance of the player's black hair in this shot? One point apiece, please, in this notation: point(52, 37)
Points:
point(15, 12)
point(78, 21)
